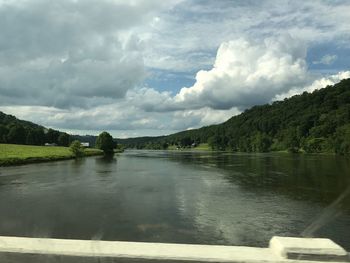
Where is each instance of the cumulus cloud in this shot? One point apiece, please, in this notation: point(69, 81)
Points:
point(191, 119)
point(199, 27)
point(316, 84)
point(246, 73)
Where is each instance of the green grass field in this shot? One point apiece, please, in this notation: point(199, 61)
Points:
point(11, 154)
point(203, 147)
point(200, 147)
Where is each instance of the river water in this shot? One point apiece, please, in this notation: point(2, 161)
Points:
point(179, 197)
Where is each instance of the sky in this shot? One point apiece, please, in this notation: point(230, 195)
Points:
point(155, 67)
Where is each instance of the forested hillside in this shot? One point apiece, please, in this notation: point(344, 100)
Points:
point(311, 122)
point(15, 131)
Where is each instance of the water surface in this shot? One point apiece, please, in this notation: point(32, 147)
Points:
point(179, 197)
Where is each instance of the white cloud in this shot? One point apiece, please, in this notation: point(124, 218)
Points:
point(124, 118)
point(191, 119)
point(247, 73)
point(316, 84)
point(201, 26)
point(326, 60)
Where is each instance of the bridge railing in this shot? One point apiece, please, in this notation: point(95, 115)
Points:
point(281, 249)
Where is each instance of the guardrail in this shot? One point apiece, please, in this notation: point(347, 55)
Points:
point(281, 249)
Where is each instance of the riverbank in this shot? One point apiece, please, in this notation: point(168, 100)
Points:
point(199, 147)
point(205, 147)
point(13, 154)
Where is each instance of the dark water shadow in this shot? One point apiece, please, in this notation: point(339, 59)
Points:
point(106, 159)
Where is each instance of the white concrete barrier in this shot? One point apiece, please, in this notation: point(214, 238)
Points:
point(28, 250)
point(316, 249)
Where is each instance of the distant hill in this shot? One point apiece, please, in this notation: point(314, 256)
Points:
point(6, 119)
point(140, 142)
point(16, 131)
point(312, 122)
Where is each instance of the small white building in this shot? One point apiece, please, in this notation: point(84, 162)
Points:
point(85, 144)
point(50, 144)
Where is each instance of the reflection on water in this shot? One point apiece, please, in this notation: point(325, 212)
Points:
point(207, 198)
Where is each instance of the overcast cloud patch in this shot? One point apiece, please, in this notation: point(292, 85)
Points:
point(69, 53)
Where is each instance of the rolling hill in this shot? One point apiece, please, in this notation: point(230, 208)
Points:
point(314, 122)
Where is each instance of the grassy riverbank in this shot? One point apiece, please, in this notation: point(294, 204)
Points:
point(13, 154)
point(200, 147)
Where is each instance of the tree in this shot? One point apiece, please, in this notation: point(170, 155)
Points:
point(77, 149)
point(186, 141)
point(17, 135)
point(291, 140)
point(316, 145)
point(232, 145)
point(63, 139)
point(30, 140)
point(342, 141)
point(39, 136)
point(106, 143)
point(261, 142)
point(3, 133)
point(165, 145)
point(52, 136)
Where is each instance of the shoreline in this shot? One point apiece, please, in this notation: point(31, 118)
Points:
point(32, 160)
point(189, 150)
point(15, 154)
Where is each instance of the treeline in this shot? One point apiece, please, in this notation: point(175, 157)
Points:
point(91, 139)
point(316, 122)
point(15, 131)
point(146, 142)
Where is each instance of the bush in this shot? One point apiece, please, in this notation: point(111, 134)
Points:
point(77, 149)
point(317, 145)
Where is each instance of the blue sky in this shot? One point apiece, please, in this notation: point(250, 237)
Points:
point(153, 67)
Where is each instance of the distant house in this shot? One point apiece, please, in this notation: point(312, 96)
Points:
point(85, 144)
point(50, 144)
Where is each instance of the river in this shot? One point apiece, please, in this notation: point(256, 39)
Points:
point(179, 197)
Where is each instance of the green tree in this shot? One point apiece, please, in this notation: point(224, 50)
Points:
point(342, 141)
point(213, 142)
point(186, 142)
point(63, 139)
point(3, 133)
point(106, 143)
point(232, 145)
point(39, 136)
point(291, 140)
point(165, 145)
point(77, 149)
point(17, 135)
point(52, 136)
point(30, 139)
point(261, 142)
